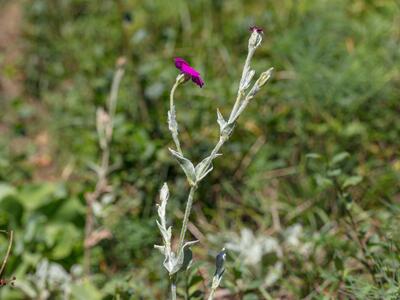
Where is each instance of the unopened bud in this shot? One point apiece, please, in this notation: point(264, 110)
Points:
point(264, 77)
point(121, 61)
point(255, 38)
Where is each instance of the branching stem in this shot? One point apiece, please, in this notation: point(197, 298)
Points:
point(246, 68)
point(196, 174)
point(105, 137)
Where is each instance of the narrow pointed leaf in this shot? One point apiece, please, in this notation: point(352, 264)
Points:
point(221, 121)
point(245, 83)
point(186, 166)
point(164, 195)
point(178, 263)
point(200, 171)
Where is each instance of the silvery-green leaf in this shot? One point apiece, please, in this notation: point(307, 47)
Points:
point(166, 233)
point(200, 171)
point(178, 261)
point(245, 82)
point(264, 77)
point(228, 129)
point(261, 81)
point(221, 121)
point(161, 248)
point(160, 226)
point(164, 195)
point(187, 258)
point(186, 166)
point(172, 124)
point(170, 262)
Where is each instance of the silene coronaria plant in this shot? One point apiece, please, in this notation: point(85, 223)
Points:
point(179, 259)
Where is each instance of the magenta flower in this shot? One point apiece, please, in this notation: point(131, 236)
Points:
point(190, 72)
point(256, 28)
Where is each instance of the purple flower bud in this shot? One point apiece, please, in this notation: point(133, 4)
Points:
point(256, 28)
point(190, 72)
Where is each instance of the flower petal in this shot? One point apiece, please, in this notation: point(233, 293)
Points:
point(179, 62)
point(198, 80)
point(256, 28)
point(189, 70)
point(186, 69)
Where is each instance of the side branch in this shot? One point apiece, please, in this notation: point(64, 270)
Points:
point(105, 126)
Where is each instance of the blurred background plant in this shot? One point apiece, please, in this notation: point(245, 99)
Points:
point(331, 120)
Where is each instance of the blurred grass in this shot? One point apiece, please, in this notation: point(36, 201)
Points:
point(336, 89)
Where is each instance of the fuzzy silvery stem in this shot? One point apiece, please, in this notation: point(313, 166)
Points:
point(173, 287)
point(185, 221)
point(211, 296)
point(172, 123)
point(226, 129)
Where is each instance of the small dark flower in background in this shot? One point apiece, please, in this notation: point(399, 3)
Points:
point(219, 271)
point(256, 28)
point(127, 17)
point(219, 263)
point(190, 72)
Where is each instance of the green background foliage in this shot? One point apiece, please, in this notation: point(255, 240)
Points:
point(317, 150)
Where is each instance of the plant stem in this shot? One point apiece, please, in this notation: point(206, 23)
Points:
point(104, 169)
point(214, 152)
point(173, 287)
point(225, 132)
point(186, 217)
point(172, 111)
point(88, 230)
point(243, 105)
point(211, 296)
point(91, 198)
point(10, 241)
